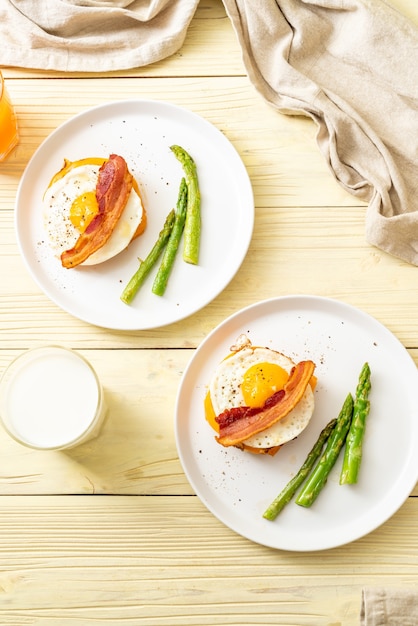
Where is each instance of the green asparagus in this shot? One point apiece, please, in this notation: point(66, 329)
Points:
point(289, 490)
point(193, 218)
point(354, 442)
point(319, 476)
point(161, 279)
point(147, 264)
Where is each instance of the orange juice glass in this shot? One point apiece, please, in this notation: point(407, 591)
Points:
point(9, 135)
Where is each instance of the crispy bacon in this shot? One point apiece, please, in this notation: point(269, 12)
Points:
point(229, 416)
point(114, 185)
point(235, 426)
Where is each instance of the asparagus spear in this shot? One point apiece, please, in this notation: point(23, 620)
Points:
point(354, 442)
point(289, 490)
point(193, 220)
point(319, 476)
point(147, 264)
point(161, 279)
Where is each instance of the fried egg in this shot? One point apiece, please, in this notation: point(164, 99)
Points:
point(70, 204)
point(247, 377)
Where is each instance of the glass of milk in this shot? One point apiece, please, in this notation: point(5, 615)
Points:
point(51, 399)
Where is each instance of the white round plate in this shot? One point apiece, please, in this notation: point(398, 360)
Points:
point(237, 486)
point(141, 131)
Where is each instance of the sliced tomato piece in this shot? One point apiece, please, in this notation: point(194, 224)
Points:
point(113, 187)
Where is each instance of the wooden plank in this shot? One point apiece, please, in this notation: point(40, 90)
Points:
point(292, 188)
point(279, 151)
point(284, 258)
point(164, 561)
point(135, 453)
point(409, 8)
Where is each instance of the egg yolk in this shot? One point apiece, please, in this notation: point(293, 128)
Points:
point(85, 207)
point(261, 381)
point(82, 210)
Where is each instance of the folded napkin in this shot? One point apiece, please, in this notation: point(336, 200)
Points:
point(389, 607)
point(352, 66)
point(91, 35)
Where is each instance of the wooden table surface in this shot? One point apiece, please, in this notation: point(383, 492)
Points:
point(111, 532)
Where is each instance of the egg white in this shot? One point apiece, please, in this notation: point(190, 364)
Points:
point(225, 393)
point(62, 234)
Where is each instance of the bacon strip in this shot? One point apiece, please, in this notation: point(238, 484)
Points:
point(235, 428)
point(114, 185)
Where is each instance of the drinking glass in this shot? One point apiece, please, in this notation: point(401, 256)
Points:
point(51, 398)
point(9, 134)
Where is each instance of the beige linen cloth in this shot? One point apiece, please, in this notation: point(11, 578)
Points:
point(91, 35)
point(383, 607)
point(352, 66)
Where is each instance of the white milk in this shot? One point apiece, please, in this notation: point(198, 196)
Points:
point(51, 398)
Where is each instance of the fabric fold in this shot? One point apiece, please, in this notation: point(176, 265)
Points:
point(389, 607)
point(352, 66)
point(91, 35)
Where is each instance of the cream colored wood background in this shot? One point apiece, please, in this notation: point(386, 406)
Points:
point(111, 532)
